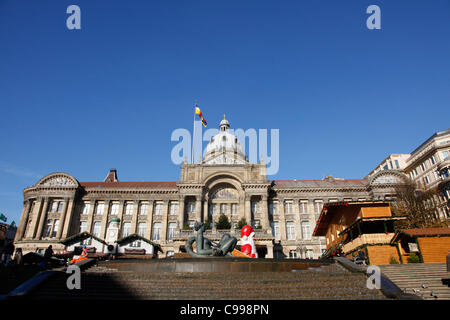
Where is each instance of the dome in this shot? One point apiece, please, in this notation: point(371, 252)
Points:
point(224, 145)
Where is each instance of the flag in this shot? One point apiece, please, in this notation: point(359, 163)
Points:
point(2, 217)
point(197, 111)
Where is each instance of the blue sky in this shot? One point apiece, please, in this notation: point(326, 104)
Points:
point(110, 95)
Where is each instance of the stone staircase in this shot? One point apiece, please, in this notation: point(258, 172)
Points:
point(422, 279)
point(105, 281)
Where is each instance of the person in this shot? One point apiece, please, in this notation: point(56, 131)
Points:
point(18, 257)
point(9, 250)
point(83, 256)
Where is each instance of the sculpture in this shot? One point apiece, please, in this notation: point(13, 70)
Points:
point(208, 248)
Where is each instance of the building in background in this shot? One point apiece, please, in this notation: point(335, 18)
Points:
point(428, 166)
point(283, 212)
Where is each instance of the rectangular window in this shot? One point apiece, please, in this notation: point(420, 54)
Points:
point(213, 209)
point(273, 208)
point(48, 228)
point(191, 207)
point(126, 229)
point(309, 254)
point(397, 165)
point(83, 226)
point(142, 228)
point(100, 208)
point(306, 231)
point(445, 155)
point(143, 210)
point(276, 230)
point(55, 228)
point(174, 208)
point(60, 206)
point(53, 206)
point(303, 206)
point(97, 229)
point(292, 254)
point(290, 230)
point(115, 209)
point(422, 165)
point(318, 204)
point(129, 209)
point(223, 208)
point(234, 208)
point(158, 208)
point(433, 160)
point(86, 207)
point(172, 229)
point(426, 179)
point(288, 208)
point(156, 231)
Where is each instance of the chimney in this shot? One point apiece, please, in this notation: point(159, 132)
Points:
point(112, 176)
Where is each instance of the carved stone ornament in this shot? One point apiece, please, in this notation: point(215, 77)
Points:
point(59, 182)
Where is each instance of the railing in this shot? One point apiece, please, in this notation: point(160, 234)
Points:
point(217, 234)
point(367, 239)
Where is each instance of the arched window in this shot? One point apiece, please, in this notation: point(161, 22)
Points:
point(225, 194)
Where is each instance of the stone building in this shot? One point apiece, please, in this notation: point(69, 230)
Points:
point(283, 212)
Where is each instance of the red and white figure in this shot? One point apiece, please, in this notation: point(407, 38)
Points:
point(247, 242)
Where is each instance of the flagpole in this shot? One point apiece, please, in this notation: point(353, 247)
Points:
point(193, 136)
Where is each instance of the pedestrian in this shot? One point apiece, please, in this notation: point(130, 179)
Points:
point(48, 254)
point(9, 250)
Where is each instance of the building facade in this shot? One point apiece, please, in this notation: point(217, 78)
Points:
point(283, 212)
point(428, 166)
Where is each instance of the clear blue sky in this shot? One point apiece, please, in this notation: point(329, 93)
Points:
point(110, 95)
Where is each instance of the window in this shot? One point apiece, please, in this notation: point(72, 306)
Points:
point(172, 229)
point(55, 228)
point(129, 209)
point(318, 204)
point(143, 210)
point(83, 226)
point(422, 165)
point(426, 180)
point(361, 199)
point(86, 207)
point(273, 208)
point(306, 231)
point(97, 229)
point(54, 206)
point(156, 231)
point(48, 228)
point(142, 228)
point(276, 230)
point(445, 154)
point(292, 254)
point(309, 254)
point(126, 228)
point(115, 209)
point(433, 160)
point(288, 207)
point(332, 200)
point(60, 206)
point(397, 165)
point(303, 206)
point(223, 208)
point(158, 208)
point(213, 209)
point(234, 208)
point(191, 207)
point(100, 208)
point(290, 230)
point(174, 208)
point(254, 207)
point(135, 244)
point(414, 172)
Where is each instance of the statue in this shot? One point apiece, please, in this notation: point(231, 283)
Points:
point(248, 246)
point(208, 248)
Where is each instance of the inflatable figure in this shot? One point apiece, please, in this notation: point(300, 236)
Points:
point(248, 246)
point(83, 256)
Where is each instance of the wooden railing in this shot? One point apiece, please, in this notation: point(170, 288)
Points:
point(368, 239)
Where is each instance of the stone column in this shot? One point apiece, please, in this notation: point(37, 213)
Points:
point(181, 213)
point(164, 221)
point(148, 231)
point(23, 221)
point(42, 218)
point(198, 209)
point(105, 220)
point(205, 209)
point(90, 216)
point(134, 217)
point(269, 251)
point(35, 218)
point(282, 221)
point(265, 213)
point(297, 220)
point(62, 218)
point(248, 210)
point(68, 220)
